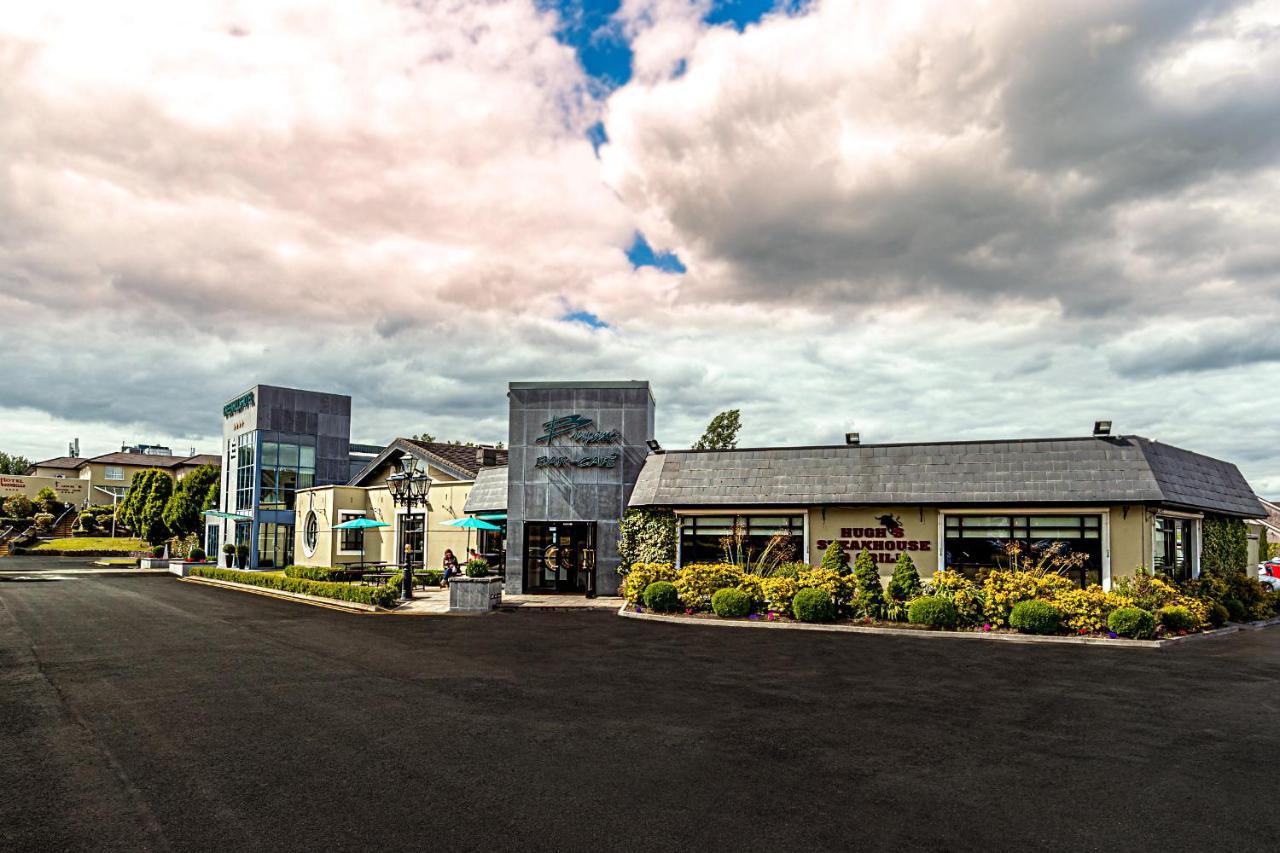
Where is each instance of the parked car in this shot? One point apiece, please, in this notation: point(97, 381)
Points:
point(1269, 573)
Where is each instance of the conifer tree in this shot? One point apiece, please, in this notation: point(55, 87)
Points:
point(868, 597)
point(835, 559)
point(905, 583)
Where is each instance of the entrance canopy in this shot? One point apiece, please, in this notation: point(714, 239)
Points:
point(213, 513)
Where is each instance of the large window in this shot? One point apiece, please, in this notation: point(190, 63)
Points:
point(1174, 548)
point(113, 472)
point(244, 471)
point(713, 538)
point(288, 464)
point(352, 541)
point(275, 545)
point(975, 542)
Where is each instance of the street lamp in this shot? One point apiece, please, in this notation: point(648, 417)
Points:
point(409, 487)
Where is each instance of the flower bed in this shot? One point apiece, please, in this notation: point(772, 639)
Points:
point(1027, 601)
point(380, 596)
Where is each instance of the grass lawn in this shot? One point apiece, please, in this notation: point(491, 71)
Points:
point(93, 543)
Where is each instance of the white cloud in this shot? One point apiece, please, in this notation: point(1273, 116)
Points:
point(926, 220)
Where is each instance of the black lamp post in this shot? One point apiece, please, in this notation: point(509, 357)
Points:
point(409, 488)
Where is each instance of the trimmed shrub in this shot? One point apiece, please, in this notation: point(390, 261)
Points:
point(314, 573)
point(18, 506)
point(933, 611)
point(1235, 609)
point(476, 568)
point(640, 575)
point(1035, 617)
point(1176, 618)
point(157, 551)
point(1132, 622)
point(868, 595)
point(662, 597)
point(777, 592)
point(905, 583)
point(730, 602)
point(44, 521)
point(697, 582)
point(1218, 615)
point(968, 597)
point(381, 596)
point(835, 559)
point(813, 605)
point(196, 555)
point(86, 522)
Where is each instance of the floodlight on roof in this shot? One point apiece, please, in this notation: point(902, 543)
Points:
point(1101, 428)
point(852, 438)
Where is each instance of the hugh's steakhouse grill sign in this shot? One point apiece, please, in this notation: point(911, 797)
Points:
point(883, 543)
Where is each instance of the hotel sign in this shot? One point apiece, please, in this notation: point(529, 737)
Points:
point(239, 404)
point(582, 430)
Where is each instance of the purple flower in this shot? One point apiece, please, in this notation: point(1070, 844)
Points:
point(639, 608)
point(753, 616)
point(1112, 634)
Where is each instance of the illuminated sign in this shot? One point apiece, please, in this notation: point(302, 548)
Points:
point(239, 404)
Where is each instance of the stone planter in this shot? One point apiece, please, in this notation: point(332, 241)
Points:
point(474, 595)
point(154, 563)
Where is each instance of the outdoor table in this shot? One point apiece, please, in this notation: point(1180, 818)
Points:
point(378, 576)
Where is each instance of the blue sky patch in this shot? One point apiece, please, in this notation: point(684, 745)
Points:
point(642, 254)
point(586, 318)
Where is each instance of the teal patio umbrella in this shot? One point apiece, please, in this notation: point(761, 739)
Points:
point(360, 523)
point(470, 523)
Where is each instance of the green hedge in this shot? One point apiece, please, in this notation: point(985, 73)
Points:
point(381, 596)
point(314, 573)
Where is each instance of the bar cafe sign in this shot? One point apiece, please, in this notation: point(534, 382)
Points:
point(583, 431)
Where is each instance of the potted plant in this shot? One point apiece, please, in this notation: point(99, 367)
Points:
point(477, 568)
point(229, 550)
point(195, 555)
point(242, 556)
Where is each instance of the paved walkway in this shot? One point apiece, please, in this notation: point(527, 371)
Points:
point(436, 601)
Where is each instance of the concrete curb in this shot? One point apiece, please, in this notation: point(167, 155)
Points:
point(86, 572)
point(300, 597)
point(1025, 639)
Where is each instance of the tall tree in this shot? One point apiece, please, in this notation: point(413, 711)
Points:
point(13, 464)
point(142, 509)
point(722, 432)
point(183, 512)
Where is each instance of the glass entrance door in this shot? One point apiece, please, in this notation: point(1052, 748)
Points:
point(413, 534)
point(558, 555)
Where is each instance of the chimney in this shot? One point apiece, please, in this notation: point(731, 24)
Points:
point(486, 457)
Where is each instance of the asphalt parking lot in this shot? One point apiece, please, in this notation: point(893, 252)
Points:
point(149, 714)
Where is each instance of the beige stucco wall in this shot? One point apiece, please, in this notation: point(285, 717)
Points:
point(68, 490)
point(859, 528)
point(1130, 528)
point(447, 500)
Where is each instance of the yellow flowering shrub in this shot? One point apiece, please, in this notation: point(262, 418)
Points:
point(697, 582)
point(826, 580)
point(750, 584)
point(1151, 592)
point(1003, 589)
point(643, 574)
point(777, 592)
point(966, 595)
point(1086, 609)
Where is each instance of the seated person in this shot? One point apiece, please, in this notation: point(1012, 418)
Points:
point(450, 566)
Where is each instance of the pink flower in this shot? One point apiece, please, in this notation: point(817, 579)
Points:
point(986, 626)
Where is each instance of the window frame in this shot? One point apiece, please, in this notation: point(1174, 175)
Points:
point(1104, 536)
point(803, 512)
point(113, 472)
point(345, 515)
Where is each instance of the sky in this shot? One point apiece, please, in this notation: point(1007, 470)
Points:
point(917, 220)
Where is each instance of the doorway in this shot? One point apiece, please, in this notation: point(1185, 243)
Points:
point(559, 556)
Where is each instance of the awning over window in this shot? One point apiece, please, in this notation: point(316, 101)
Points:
point(213, 513)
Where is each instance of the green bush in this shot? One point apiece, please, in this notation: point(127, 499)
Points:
point(662, 597)
point(933, 611)
point(431, 577)
point(381, 596)
point(905, 583)
point(790, 570)
point(813, 605)
point(314, 573)
point(1176, 618)
point(1218, 615)
point(1034, 616)
point(730, 602)
point(647, 536)
point(476, 568)
point(196, 555)
point(157, 551)
point(868, 595)
point(1236, 611)
point(19, 506)
point(1132, 622)
point(86, 522)
point(43, 521)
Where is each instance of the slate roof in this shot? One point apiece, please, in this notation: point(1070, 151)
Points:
point(1116, 469)
point(457, 459)
point(489, 494)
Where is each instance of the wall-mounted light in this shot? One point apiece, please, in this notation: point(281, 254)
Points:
point(1101, 428)
point(653, 445)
